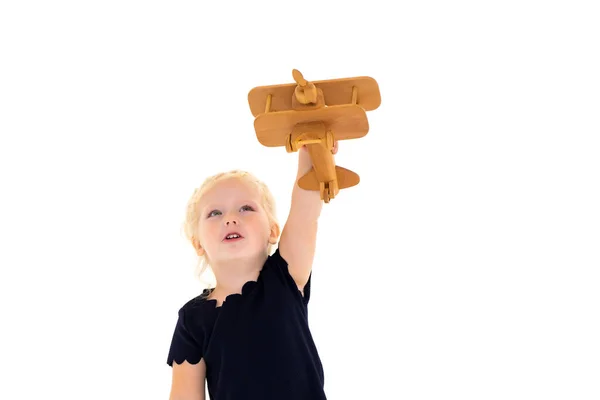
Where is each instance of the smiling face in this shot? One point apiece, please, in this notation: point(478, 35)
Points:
point(233, 223)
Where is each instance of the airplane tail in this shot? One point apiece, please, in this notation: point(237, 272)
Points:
point(345, 178)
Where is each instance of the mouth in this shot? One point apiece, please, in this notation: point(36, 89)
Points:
point(232, 236)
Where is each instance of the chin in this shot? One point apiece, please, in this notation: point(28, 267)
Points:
point(243, 249)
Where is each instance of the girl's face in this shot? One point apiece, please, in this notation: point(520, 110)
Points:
point(233, 223)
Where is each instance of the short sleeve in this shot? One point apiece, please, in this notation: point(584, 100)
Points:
point(185, 344)
point(281, 265)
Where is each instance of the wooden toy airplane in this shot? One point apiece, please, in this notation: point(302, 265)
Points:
point(315, 114)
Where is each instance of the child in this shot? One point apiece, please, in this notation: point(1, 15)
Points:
point(248, 337)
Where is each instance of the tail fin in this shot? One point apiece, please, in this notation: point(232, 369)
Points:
point(345, 177)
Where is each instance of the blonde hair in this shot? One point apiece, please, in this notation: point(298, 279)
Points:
point(192, 215)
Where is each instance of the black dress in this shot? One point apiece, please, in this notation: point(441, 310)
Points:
point(258, 344)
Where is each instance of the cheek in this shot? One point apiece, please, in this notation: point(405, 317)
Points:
point(259, 222)
point(205, 230)
point(266, 227)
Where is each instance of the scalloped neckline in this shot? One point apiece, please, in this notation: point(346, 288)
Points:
point(232, 297)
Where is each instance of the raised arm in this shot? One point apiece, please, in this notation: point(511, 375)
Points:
point(299, 235)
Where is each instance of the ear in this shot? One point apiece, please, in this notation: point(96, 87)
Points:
point(274, 236)
point(199, 249)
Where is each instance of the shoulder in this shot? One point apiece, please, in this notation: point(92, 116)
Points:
point(277, 266)
point(197, 308)
point(276, 263)
point(196, 302)
point(276, 259)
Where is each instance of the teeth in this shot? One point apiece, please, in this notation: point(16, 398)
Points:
point(233, 236)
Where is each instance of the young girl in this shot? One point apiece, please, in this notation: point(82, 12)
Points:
point(248, 337)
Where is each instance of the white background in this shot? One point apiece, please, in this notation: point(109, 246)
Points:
point(463, 266)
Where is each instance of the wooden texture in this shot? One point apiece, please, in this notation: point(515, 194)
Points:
point(345, 121)
point(345, 179)
point(335, 92)
point(315, 114)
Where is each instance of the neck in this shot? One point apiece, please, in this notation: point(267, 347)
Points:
point(232, 274)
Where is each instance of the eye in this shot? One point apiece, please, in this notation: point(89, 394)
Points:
point(247, 208)
point(213, 213)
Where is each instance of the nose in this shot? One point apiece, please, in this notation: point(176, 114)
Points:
point(231, 220)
